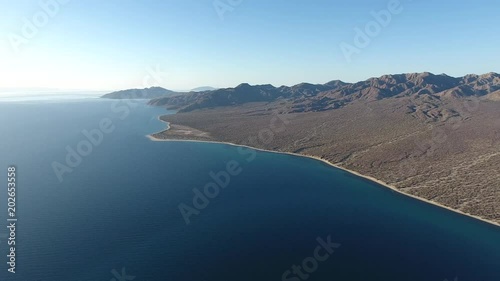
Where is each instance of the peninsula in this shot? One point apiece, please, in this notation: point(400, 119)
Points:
point(434, 137)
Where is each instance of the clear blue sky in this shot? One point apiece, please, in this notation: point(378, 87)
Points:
point(110, 44)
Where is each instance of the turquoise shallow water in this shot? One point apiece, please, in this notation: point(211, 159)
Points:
point(119, 208)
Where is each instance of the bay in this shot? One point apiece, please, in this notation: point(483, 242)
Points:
point(118, 210)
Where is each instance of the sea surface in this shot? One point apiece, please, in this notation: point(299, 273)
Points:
point(114, 215)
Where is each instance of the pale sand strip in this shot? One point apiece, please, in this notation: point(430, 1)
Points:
point(393, 188)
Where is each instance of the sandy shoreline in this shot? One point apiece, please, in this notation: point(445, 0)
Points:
point(372, 179)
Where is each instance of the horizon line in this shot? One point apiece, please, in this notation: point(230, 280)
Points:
point(52, 89)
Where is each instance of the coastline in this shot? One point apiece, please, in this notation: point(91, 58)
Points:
point(372, 179)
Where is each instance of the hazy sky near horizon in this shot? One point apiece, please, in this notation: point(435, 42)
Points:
point(115, 44)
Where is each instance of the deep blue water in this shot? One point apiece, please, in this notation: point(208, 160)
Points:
point(119, 209)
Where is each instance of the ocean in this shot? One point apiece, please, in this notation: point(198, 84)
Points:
point(97, 200)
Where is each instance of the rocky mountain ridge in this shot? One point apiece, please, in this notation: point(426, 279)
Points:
point(423, 88)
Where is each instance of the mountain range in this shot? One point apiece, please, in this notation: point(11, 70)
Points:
point(305, 97)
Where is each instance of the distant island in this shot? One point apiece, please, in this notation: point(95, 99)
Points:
point(152, 93)
point(203, 89)
point(148, 93)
